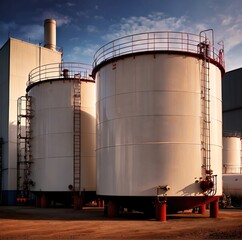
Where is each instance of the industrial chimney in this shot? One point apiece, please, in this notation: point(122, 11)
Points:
point(50, 34)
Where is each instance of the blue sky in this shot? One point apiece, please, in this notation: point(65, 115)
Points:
point(85, 25)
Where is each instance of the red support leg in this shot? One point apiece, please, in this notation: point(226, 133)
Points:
point(76, 201)
point(113, 209)
point(37, 201)
point(81, 202)
point(202, 209)
point(214, 207)
point(44, 201)
point(99, 202)
point(161, 211)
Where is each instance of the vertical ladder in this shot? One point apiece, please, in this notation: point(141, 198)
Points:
point(205, 114)
point(77, 134)
point(205, 95)
point(24, 157)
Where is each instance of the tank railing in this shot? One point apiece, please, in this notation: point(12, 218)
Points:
point(154, 41)
point(232, 134)
point(233, 170)
point(60, 70)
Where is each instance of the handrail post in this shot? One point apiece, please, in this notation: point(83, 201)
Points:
point(168, 41)
point(187, 42)
point(148, 38)
point(132, 43)
point(154, 40)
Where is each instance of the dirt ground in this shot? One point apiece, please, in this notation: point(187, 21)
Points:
point(62, 223)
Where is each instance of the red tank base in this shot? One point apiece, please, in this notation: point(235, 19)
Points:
point(161, 211)
point(214, 209)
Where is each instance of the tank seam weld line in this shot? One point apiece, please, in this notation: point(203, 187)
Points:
point(151, 115)
point(153, 143)
point(149, 143)
point(138, 116)
point(148, 91)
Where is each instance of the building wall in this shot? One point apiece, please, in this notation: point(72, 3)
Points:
point(232, 100)
point(4, 106)
point(17, 59)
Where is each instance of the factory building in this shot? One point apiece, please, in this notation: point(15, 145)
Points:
point(17, 59)
point(232, 101)
point(232, 130)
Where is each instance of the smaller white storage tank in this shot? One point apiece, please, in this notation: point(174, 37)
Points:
point(231, 153)
point(63, 131)
point(232, 185)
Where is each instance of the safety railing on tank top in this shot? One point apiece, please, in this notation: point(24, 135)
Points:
point(157, 41)
point(60, 70)
point(232, 170)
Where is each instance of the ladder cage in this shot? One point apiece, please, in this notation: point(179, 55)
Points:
point(24, 156)
point(205, 48)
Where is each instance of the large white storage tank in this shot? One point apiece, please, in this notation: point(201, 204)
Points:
point(62, 131)
point(159, 121)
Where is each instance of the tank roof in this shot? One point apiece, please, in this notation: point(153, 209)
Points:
point(60, 71)
point(158, 42)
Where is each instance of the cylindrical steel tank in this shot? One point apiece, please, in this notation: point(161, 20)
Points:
point(50, 34)
point(231, 154)
point(63, 128)
point(150, 115)
point(232, 185)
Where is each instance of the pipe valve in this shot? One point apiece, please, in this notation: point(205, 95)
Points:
point(166, 187)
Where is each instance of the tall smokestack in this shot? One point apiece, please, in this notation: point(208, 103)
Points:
point(50, 34)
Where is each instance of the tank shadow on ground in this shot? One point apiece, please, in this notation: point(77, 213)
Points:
point(87, 214)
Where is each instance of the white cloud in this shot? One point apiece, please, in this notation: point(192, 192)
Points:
point(231, 32)
point(153, 22)
point(60, 18)
point(82, 14)
point(233, 61)
point(70, 4)
point(226, 20)
point(31, 32)
point(91, 29)
point(82, 54)
point(98, 17)
point(8, 26)
point(226, 27)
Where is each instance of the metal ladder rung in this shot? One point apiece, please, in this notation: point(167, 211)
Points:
point(76, 134)
point(205, 108)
